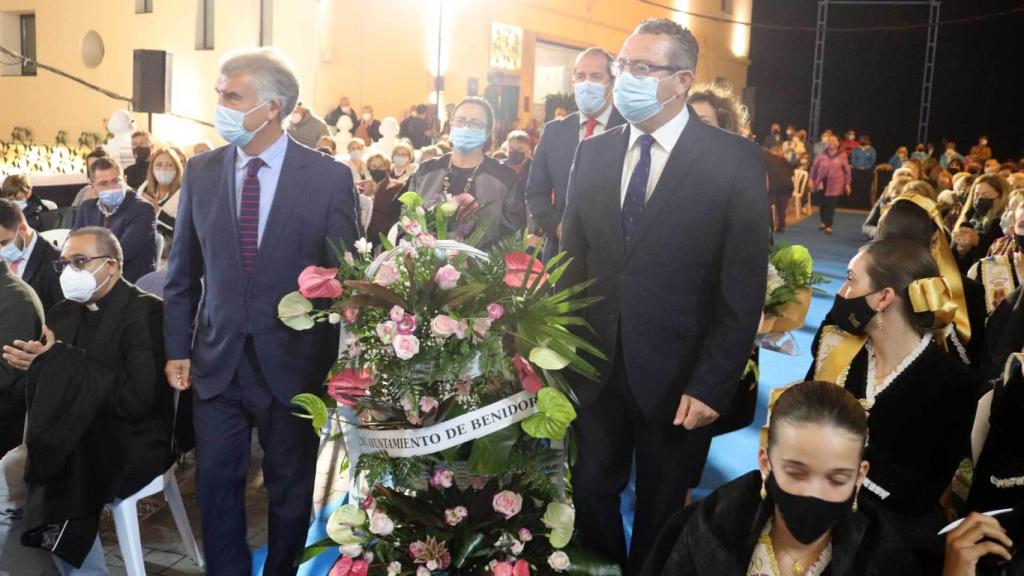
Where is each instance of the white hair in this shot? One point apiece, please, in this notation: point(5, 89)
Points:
point(272, 73)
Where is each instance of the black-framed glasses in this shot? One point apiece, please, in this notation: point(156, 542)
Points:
point(77, 263)
point(640, 69)
point(460, 122)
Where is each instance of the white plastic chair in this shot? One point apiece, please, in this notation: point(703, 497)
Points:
point(159, 248)
point(803, 204)
point(126, 521)
point(56, 237)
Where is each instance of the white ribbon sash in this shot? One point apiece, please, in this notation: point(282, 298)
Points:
point(470, 426)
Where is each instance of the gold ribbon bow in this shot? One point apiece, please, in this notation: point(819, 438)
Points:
point(948, 268)
point(933, 295)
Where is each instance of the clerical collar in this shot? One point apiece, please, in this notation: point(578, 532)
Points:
point(92, 307)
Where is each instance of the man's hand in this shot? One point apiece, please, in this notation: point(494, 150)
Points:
point(693, 413)
point(21, 354)
point(179, 374)
point(848, 190)
point(468, 206)
point(558, 231)
point(978, 535)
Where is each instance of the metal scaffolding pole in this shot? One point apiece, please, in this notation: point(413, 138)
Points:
point(819, 69)
point(929, 69)
point(929, 59)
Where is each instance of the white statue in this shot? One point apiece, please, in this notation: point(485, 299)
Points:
point(121, 125)
point(388, 136)
point(344, 134)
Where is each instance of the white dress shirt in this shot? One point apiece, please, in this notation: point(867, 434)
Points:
point(273, 159)
point(602, 121)
point(22, 262)
point(665, 139)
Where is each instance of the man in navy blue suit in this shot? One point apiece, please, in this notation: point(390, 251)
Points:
point(120, 210)
point(552, 161)
point(253, 214)
point(668, 217)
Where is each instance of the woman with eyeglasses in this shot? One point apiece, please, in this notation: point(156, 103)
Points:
point(490, 204)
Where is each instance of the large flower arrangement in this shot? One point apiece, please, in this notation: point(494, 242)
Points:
point(21, 158)
point(437, 333)
point(791, 279)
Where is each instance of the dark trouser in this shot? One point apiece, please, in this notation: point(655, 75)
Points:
point(828, 209)
point(668, 462)
point(223, 426)
point(780, 204)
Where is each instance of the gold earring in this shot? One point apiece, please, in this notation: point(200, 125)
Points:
point(856, 494)
point(764, 492)
point(879, 320)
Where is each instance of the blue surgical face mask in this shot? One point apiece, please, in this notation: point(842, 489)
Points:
point(467, 139)
point(637, 98)
point(111, 198)
point(11, 252)
point(230, 124)
point(590, 96)
point(21, 204)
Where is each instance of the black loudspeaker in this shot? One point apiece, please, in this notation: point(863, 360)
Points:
point(151, 81)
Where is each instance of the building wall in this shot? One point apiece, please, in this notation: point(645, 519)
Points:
point(377, 52)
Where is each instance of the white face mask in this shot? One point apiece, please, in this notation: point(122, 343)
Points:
point(367, 116)
point(355, 155)
point(79, 285)
point(164, 177)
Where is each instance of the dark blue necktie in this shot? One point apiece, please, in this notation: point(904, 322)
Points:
point(249, 217)
point(636, 191)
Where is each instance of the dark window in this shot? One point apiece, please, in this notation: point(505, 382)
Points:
point(28, 44)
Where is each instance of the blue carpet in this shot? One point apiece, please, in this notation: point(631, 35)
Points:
point(735, 454)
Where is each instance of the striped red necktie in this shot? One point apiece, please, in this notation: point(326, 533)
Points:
point(588, 127)
point(249, 216)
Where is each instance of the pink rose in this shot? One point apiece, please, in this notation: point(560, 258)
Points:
point(387, 274)
point(411, 227)
point(507, 503)
point(406, 346)
point(416, 549)
point(348, 384)
point(503, 569)
point(443, 326)
point(396, 313)
point(521, 568)
point(495, 311)
point(525, 535)
point(516, 265)
point(481, 326)
point(350, 314)
point(426, 240)
point(386, 331)
point(428, 403)
point(447, 277)
point(407, 325)
point(527, 376)
point(461, 327)
point(454, 516)
point(316, 282)
point(442, 478)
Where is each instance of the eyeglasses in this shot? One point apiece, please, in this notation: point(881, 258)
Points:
point(639, 69)
point(77, 263)
point(460, 122)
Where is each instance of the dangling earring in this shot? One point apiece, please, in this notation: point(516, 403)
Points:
point(856, 494)
point(879, 320)
point(764, 492)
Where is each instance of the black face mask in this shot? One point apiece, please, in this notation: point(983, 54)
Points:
point(1019, 241)
point(516, 157)
point(982, 205)
point(852, 314)
point(808, 518)
point(378, 175)
point(141, 153)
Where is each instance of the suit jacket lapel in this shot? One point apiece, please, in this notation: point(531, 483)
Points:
point(227, 203)
point(290, 185)
point(35, 260)
point(611, 177)
point(679, 161)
